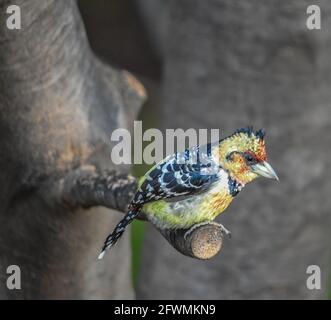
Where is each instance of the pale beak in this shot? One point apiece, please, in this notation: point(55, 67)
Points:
point(264, 169)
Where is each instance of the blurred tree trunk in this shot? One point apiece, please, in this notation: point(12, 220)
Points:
point(58, 107)
point(229, 64)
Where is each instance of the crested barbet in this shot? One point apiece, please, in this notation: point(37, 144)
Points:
point(196, 185)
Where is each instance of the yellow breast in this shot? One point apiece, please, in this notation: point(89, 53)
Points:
point(215, 203)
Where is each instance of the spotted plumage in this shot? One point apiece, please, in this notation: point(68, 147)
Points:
point(198, 184)
point(172, 179)
point(234, 187)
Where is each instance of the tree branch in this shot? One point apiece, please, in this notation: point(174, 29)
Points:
point(202, 241)
point(86, 187)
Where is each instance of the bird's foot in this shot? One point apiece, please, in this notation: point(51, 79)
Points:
point(225, 231)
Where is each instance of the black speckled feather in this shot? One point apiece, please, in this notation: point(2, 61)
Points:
point(178, 176)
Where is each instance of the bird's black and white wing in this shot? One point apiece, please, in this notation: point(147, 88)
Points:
point(181, 175)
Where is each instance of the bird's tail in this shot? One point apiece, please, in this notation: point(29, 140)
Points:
point(119, 229)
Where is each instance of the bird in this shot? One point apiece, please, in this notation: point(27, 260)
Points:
point(198, 184)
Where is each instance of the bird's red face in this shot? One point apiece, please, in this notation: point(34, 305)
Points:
point(244, 156)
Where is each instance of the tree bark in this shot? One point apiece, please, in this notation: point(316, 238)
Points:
point(58, 107)
point(229, 64)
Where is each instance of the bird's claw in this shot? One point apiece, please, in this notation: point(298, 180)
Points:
point(225, 231)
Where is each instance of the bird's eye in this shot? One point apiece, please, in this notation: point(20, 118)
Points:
point(249, 158)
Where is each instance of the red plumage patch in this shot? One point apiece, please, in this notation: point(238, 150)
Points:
point(261, 154)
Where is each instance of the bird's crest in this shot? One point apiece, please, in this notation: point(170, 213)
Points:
point(249, 131)
point(246, 139)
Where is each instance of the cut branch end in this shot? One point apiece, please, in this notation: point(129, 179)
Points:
point(202, 241)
